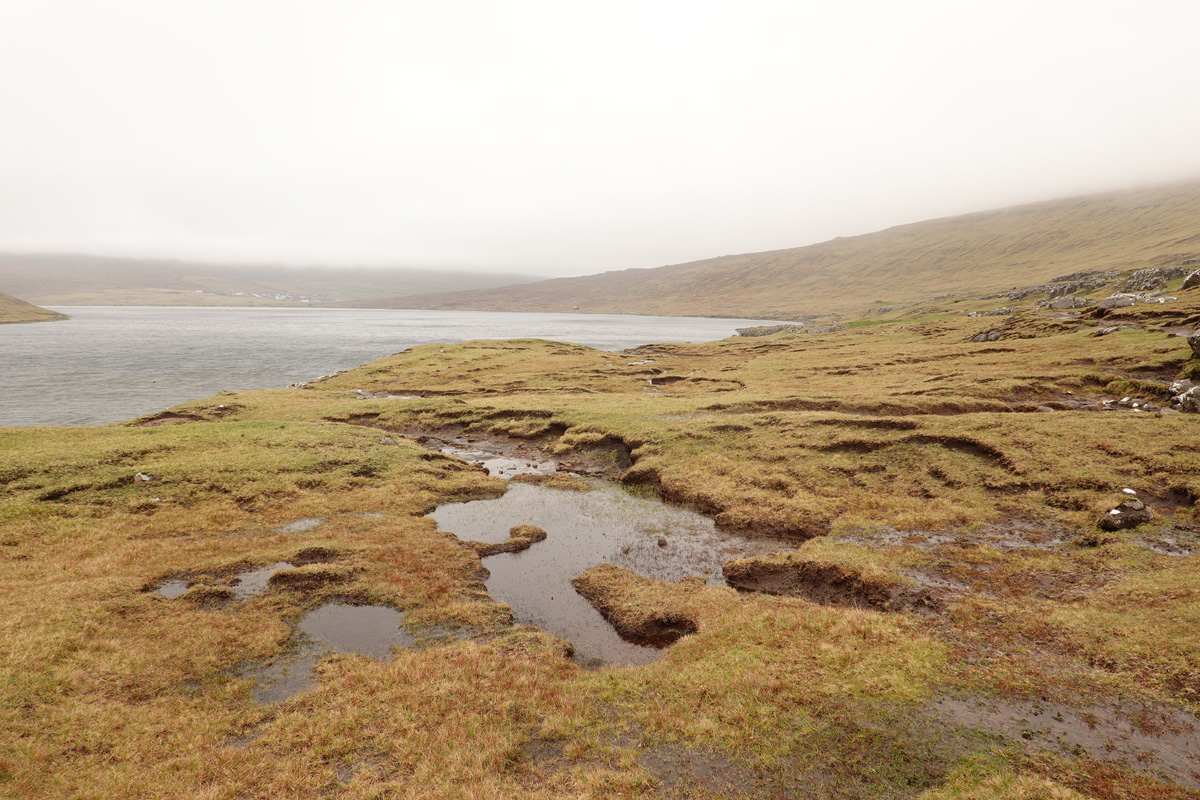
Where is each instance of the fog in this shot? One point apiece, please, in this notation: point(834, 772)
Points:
point(567, 138)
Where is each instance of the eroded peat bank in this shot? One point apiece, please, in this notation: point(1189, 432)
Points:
point(931, 556)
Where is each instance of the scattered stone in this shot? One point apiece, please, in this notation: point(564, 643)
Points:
point(1191, 281)
point(1129, 514)
point(992, 312)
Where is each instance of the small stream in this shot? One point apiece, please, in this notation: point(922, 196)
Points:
point(584, 528)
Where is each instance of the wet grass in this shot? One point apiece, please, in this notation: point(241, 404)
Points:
point(899, 452)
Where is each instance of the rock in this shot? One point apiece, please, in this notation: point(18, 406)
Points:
point(1070, 301)
point(1194, 343)
point(767, 330)
point(992, 312)
point(1191, 281)
point(1118, 300)
point(1113, 329)
point(1144, 280)
point(987, 336)
point(145, 477)
point(388, 440)
point(1078, 276)
point(662, 541)
point(1154, 300)
point(1189, 401)
point(1180, 386)
point(1129, 514)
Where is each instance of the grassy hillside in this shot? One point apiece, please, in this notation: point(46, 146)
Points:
point(968, 254)
point(94, 280)
point(14, 310)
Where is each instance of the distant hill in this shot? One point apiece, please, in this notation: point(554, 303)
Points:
point(14, 310)
point(966, 254)
point(95, 280)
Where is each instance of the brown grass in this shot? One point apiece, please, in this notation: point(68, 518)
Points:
point(964, 255)
point(901, 453)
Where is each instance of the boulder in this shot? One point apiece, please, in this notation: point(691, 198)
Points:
point(1070, 301)
point(1191, 281)
point(987, 336)
point(1194, 343)
point(1144, 280)
point(1188, 401)
point(1129, 514)
point(1118, 300)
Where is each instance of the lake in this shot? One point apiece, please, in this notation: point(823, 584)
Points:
point(108, 364)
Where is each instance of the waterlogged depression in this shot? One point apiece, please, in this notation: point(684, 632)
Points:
point(584, 528)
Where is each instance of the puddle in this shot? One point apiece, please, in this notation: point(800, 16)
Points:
point(299, 526)
point(585, 529)
point(335, 627)
point(1163, 742)
point(173, 588)
point(254, 582)
point(502, 465)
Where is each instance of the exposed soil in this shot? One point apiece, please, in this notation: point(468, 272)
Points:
point(520, 537)
point(1161, 742)
point(828, 584)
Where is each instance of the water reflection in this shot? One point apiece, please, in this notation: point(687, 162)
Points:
point(606, 524)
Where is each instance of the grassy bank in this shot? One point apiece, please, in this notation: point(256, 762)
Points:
point(15, 310)
point(903, 459)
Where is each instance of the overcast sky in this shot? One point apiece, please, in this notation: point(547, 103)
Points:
point(567, 137)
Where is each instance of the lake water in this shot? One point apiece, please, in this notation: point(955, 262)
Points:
point(111, 364)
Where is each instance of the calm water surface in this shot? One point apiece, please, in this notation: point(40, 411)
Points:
point(111, 364)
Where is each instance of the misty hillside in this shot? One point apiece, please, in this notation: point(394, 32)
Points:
point(95, 280)
point(965, 254)
point(13, 309)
